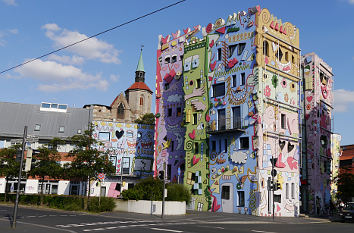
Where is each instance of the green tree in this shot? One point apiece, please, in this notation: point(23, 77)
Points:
point(9, 166)
point(147, 119)
point(87, 160)
point(345, 182)
point(46, 163)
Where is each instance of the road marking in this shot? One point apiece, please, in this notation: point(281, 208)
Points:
point(161, 229)
point(321, 222)
point(263, 231)
point(240, 222)
point(220, 228)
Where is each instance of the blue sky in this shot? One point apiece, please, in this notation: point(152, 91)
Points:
point(98, 70)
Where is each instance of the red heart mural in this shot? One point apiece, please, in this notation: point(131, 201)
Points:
point(279, 163)
point(309, 98)
point(192, 135)
point(292, 163)
point(211, 44)
point(212, 66)
point(232, 63)
point(195, 160)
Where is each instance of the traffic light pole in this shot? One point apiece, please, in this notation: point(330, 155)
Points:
point(19, 177)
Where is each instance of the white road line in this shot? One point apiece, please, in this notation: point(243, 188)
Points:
point(240, 222)
point(220, 228)
point(263, 231)
point(161, 229)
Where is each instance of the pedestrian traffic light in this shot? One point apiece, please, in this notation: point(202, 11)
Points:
point(161, 175)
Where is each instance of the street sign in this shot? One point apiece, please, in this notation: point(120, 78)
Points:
point(101, 176)
point(179, 171)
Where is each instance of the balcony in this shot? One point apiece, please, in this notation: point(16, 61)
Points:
point(238, 126)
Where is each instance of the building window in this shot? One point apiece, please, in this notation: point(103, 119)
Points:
point(244, 143)
point(196, 148)
point(277, 198)
point(172, 146)
point(293, 59)
point(279, 54)
point(37, 127)
point(221, 119)
point(286, 56)
point(241, 198)
point(45, 105)
point(236, 114)
point(104, 136)
point(195, 118)
point(125, 165)
point(283, 121)
point(141, 101)
point(213, 146)
point(219, 90)
point(241, 47)
point(167, 59)
point(169, 112)
point(265, 48)
point(167, 86)
point(219, 54)
point(198, 82)
point(243, 79)
point(225, 192)
point(225, 145)
point(179, 111)
point(169, 171)
point(219, 145)
point(232, 49)
point(287, 190)
point(293, 190)
point(174, 58)
point(234, 82)
point(61, 129)
point(118, 187)
point(120, 111)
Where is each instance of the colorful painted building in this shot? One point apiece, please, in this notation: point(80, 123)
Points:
point(169, 130)
point(241, 109)
point(131, 150)
point(336, 153)
point(318, 105)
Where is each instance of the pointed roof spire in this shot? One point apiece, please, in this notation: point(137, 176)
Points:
point(140, 66)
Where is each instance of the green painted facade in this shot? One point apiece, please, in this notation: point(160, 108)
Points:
point(196, 89)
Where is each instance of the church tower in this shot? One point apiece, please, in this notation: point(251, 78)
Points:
point(139, 95)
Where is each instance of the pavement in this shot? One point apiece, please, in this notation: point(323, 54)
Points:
point(38, 220)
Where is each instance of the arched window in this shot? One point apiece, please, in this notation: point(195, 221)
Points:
point(141, 101)
point(265, 48)
point(121, 111)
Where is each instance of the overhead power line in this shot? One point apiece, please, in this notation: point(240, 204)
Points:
point(95, 35)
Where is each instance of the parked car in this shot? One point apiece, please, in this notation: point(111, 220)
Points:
point(347, 213)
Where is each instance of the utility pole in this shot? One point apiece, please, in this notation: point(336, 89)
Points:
point(19, 177)
point(163, 191)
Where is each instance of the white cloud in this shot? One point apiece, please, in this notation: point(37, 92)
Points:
point(5, 33)
point(58, 77)
point(74, 60)
point(343, 99)
point(114, 77)
point(10, 2)
point(351, 1)
point(90, 49)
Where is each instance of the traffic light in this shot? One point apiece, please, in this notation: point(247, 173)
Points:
point(161, 175)
point(277, 185)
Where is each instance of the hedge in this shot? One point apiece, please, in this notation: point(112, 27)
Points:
point(73, 203)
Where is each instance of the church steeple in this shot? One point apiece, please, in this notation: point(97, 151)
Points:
point(140, 72)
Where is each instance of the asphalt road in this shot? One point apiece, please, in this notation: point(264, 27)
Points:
point(56, 221)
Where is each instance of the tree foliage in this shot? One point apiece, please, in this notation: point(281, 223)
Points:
point(46, 162)
point(147, 189)
point(87, 160)
point(147, 119)
point(345, 182)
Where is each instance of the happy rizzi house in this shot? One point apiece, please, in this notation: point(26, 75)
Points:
point(227, 102)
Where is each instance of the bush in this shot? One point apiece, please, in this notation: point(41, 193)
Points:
point(178, 192)
point(103, 205)
point(72, 203)
point(148, 189)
